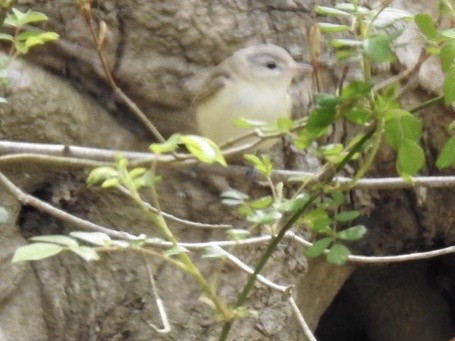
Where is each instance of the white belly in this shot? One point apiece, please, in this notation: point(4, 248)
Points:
point(216, 115)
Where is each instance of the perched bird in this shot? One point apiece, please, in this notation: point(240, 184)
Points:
point(253, 83)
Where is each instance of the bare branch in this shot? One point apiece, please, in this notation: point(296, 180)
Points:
point(306, 329)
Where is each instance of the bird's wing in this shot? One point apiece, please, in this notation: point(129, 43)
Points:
point(212, 84)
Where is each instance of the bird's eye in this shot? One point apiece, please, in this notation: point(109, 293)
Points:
point(271, 65)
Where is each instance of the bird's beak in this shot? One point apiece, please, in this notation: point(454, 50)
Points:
point(302, 68)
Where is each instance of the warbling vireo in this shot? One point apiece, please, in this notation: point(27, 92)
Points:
point(253, 83)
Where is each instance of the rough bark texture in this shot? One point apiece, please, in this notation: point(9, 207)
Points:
point(157, 50)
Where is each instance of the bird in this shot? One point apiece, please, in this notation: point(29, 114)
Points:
point(253, 83)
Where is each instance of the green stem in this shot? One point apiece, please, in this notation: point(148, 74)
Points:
point(275, 240)
point(429, 103)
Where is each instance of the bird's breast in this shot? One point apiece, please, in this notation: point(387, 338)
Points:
point(240, 99)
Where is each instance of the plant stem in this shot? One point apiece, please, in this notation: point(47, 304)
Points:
point(290, 223)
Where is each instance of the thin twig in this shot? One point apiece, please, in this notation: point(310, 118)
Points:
point(40, 205)
point(159, 303)
point(306, 329)
point(86, 12)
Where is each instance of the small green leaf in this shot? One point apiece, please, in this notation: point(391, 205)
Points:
point(403, 127)
point(56, 239)
point(343, 43)
point(35, 251)
point(109, 183)
point(351, 8)
point(410, 158)
point(232, 197)
point(447, 156)
point(136, 172)
point(88, 254)
point(451, 128)
point(388, 16)
point(377, 47)
point(352, 233)
point(356, 90)
point(238, 234)
point(317, 219)
point(448, 33)
point(263, 164)
point(329, 27)
point(100, 174)
point(263, 217)
point(347, 216)
point(426, 25)
point(175, 250)
point(246, 123)
point(285, 123)
point(338, 254)
point(261, 203)
point(5, 36)
point(29, 17)
point(338, 197)
point(168, 146)
point(203, 149)
point(293, 205)
point(358, 115)
point(4, 215)
point(95, 238)
point(214, 251)
point(448, 87)
point(330, 11)
point(318, 247)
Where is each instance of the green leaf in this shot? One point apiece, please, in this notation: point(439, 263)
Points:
point(330, 11)
point(358, 115)
point(410, 158)
point(100, 174)
point(451, 128)
point(264, 217)
point(338, 254)
point(426, 25)
point(203, 149)
point(448, 87)
point(35, 251)
point(403, 127)
point(56, 239)
point(238, 234)
point(317, 219)
point(329, 27)
point(338, 197)
point(5, 36)
point(293, 205)
point(346, 216)
point(246, 123)
point(233, 197)
point(4, 215)
point(356, 90)
point(285, 123)
point(88, 254)
point(175, 250)
point(351, 8)
point(377, 47)
point(318, 247)
point(447, 156)
point(29, 17)
point(331, 149)
point(95, 238)
point(261, 203)
point(344, 43)
point(448, 33)
point(352, 233)
point(263, 164)
point(168, 146)
point(148, 179)
point(136, 172)
point(39, 38)
point(388, 16)
point(109, 183)
point(214, 251)
point(320, 118)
